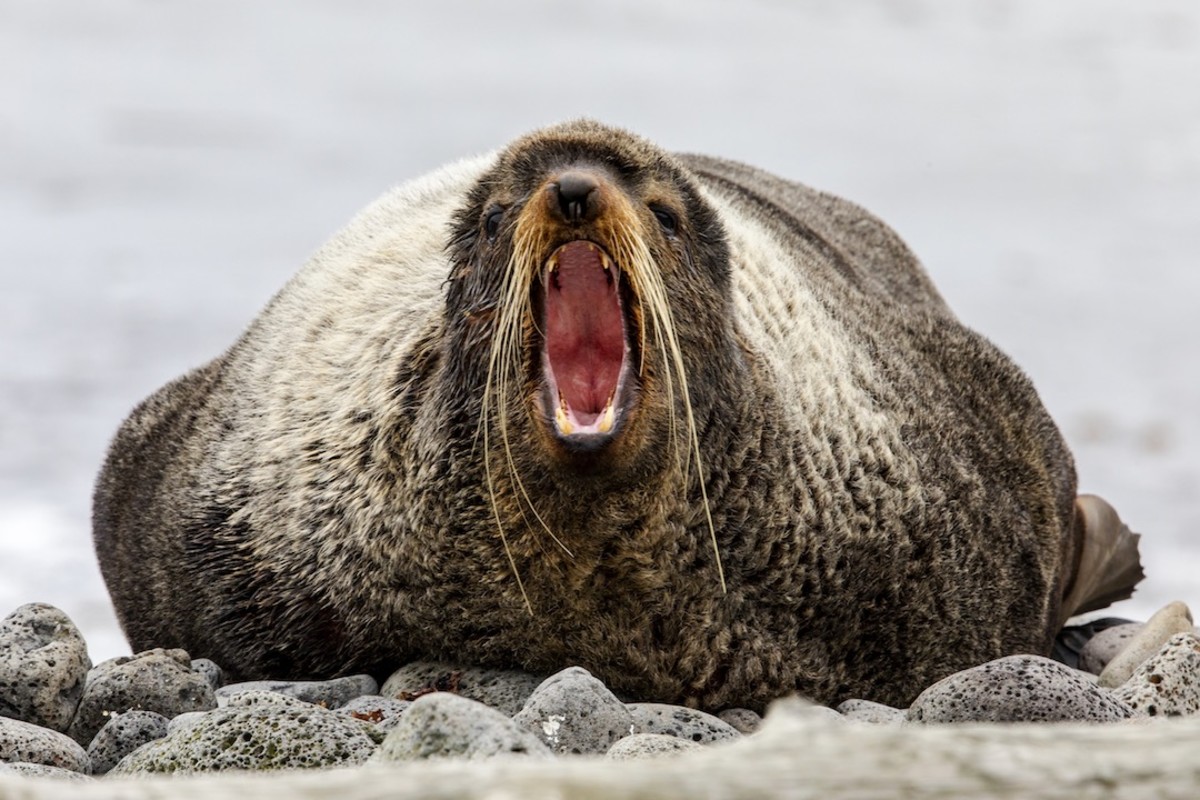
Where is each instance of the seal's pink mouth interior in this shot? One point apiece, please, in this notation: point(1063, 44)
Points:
point(584, 337)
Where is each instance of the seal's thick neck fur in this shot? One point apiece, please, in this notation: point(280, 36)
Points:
point(708, 433)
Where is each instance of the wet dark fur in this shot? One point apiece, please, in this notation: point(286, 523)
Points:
point(306, 539)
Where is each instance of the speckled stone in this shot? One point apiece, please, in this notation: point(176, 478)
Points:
point(743, 720)
point(649, 745)
point(1017, 689)
point(157, 680)
point(43, 771)
point(256, 731)
point(446, 725)
point(502, 689)
point(684, 723)
point(1169, 620)
point(33, 744)
point(123, 734)
point(573, 712)
point(1102, 647)
point(184, 720)
point(330, 694)
point(211, 671)
point(1168, 683)
point(796, 709)
point(870, 711)
point(43, 664)
point(382, 712)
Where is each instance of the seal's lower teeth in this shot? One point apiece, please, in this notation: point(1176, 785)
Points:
point(606, 419)
point(563, 421)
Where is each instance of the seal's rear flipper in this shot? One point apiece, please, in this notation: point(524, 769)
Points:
point(1069, 642)
point(1107, 565)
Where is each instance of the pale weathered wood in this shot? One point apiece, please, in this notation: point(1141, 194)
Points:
point(798, 754)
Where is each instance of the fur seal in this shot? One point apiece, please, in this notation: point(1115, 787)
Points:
point(709, 433)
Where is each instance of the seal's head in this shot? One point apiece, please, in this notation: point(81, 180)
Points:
point(589, 300)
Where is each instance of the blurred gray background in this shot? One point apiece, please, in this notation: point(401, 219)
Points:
point(165, 167)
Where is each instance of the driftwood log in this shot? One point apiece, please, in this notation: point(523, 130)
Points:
point(799, 753)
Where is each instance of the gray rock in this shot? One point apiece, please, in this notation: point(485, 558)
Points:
point(1102, 647)
point(503, 689)
point(870, 711)
point(803, 710)
point(649, 745)
point(1017, 689)
point(123, 734)
point(161, 681)
point(743, 720)
point(1169, 620)
point(685, 723)
point(43, 771)
point(211, 671)
point(33, 744)
point(330, 694)
point(43, 665)
point(184, 720)
point(382, 712)
point(445, 725)
point(572, 712)
point(256, 731)
point(1168, 683)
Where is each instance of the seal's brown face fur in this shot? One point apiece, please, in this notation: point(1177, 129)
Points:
point(707, 433)
point(576, 256)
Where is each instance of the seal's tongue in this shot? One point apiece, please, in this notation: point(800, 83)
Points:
point(585, 338)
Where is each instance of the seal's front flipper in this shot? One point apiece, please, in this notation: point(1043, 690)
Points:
point(1107, 566)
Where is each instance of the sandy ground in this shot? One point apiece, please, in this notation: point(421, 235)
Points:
point(165, 167)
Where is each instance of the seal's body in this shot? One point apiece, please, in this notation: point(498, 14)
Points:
point(710, 434)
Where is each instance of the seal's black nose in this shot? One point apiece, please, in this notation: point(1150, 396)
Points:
point(574, 195)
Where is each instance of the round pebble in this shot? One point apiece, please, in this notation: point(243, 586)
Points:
point(573, 712)
point(157, 680)
point(503, 689)
point(256, 731)
point(870, 711)
point(123, 734)
point(743, 720)
point(1017, 689)
point(184, 720)
point(1168, 683)
point(445, 725)
point(1169, 620)
point(330, 694)
point(1102, 647)
point(681, 722)
point(211, 671)
point(382, 712)
point(33, 744)
point(799, 708)
point(43, 665)
point(42, 771)
point(649, 745)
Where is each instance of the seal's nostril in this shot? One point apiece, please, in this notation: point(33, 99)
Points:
point(576, 195)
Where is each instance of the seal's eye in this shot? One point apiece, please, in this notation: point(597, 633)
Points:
point(491, 222)
point(666, 219)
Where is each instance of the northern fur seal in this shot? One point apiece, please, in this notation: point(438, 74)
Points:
point(708, 433)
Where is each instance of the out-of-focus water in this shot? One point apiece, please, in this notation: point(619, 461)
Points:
point(165, 167)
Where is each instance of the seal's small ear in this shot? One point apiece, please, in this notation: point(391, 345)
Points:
point(1107, 565)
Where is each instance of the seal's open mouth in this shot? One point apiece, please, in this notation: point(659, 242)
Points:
point(585, 356)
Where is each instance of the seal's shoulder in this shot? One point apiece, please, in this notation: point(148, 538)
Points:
point(864, 248)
